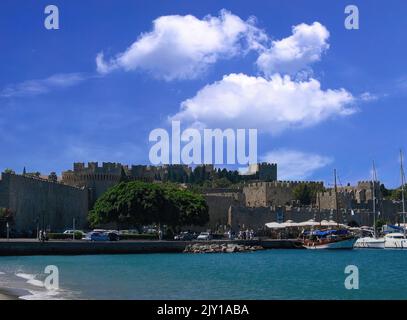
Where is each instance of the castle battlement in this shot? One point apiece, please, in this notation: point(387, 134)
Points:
point(281, 184)
point(35, 178)
point(367, 184)
point(94, 166)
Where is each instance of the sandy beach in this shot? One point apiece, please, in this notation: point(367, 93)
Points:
point(7, 297)
point(12, 294)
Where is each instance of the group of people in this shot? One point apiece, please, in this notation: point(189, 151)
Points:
point(242, 235)
point(246, 235)
point(42, 235)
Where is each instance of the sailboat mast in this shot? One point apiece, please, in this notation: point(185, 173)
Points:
point(319, 208)
point(402, 189)
point(374, 199)
point(336, 198)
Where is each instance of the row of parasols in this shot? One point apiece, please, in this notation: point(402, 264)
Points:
point(309, 223)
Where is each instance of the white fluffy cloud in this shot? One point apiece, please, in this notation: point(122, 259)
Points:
point(368, 96)
point(40, 86)
point(296, 165)
point(296, 52)
point(270, 105)
point(182, 47)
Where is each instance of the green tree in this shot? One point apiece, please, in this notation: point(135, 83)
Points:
point(386, 193)
point(395, 194)
point(302, 193)
point(5, 214)
point(53, 177)
point(306, 193)
point(379, 224)
point(139, 203)
point(221, 183)
point(189, 208)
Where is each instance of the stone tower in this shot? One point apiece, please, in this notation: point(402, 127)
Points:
point(96, 179)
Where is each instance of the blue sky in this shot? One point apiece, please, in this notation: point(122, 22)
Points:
point(57, 107)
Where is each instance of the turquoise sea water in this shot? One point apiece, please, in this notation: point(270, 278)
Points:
point(271, 274)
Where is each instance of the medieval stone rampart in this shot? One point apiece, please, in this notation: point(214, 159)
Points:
point(39, 202)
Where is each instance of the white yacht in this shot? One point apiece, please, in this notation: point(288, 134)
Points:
point(372, 241)
point(395, 241)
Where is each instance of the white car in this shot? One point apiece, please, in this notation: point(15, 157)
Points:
point(72, 231)
point(204, 236)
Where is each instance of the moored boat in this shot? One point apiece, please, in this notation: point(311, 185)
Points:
point(341, 239)
point(395, 241)
point(370, 243)
point(398, 240)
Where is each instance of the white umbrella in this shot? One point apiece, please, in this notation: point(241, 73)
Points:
point(309, 223)
point(275, 225)
point(291, 223)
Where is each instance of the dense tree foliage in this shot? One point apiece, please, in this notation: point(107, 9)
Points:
point(306, 193)
point(200, 176)
point(138, 203)
point(5, 213)
point(379, 224)
point(386, 193)
point(392, 194)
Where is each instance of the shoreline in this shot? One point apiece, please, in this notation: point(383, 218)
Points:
point(20, 247)
point(13, 293)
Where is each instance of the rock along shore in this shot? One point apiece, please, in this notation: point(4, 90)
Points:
point(220, 248)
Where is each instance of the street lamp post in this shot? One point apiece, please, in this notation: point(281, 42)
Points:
point(73, 225)
point(38, 227)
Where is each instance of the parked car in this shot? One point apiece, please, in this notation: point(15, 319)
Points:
point(113, 236)
point(185, 236)
point(130, 231)
point(97, 236)
point(73, 231)
point(204, 236)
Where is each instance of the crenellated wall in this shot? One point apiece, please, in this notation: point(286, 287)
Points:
point(359, 196)
point(277, 193)
point(98, 179)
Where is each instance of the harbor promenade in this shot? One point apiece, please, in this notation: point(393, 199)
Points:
point(27, 247)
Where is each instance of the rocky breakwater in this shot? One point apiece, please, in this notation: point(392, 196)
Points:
point(220, 248)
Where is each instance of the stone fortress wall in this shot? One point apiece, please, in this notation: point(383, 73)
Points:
point(357, 196)
point(36, 202)
point(261, 202)
point(97, 179)
point(219, 201)
point(265, 194)
point(263, 199)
